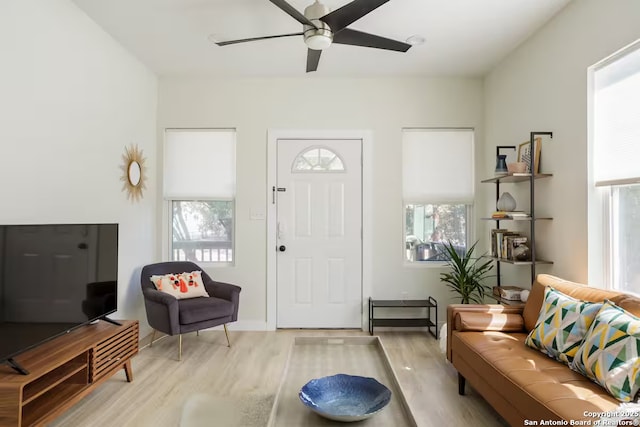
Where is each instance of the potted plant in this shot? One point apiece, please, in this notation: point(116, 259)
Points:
point(467, 274)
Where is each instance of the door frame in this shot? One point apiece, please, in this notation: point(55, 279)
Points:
point(273, 135)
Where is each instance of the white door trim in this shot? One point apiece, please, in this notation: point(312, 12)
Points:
point(272, 137)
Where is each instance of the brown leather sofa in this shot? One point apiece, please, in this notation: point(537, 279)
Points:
point(485, 343)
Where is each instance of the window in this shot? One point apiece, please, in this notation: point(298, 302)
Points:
point(199, 186)
point(318, 160)
point(616, 150)
point(437, 191)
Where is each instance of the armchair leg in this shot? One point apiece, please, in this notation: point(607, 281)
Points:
point(180, 347)
point(197, 333)
point(461, 383)
point(227, 334)
point(153, 336)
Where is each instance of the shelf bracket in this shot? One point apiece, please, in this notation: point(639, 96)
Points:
point(532, 137)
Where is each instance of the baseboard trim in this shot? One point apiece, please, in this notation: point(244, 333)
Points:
point(243, 325)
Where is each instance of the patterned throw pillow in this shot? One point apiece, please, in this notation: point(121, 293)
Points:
point(181, 286)
point(610, 353)
point(562, 325)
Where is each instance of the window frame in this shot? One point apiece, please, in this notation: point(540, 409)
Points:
point(301, 154)
point(470, 206)
point(601, 204)
point(167, 204)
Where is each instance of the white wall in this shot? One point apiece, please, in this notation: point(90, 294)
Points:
point(71, 100)
point(541, 86)
point(383, 106)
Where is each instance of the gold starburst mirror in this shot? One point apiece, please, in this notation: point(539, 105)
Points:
point(134, 173)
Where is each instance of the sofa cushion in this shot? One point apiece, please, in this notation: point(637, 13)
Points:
point(610, 354)
point(562, 325)
point(572, 289)
point(506, 322)
point(538, 386)
point(195, 310)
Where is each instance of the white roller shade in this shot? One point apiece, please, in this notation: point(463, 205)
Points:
point(617, 121)
point(200, 164)
point(437, 165)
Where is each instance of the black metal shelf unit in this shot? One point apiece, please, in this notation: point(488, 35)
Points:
point(515, 178)
point(426, 321)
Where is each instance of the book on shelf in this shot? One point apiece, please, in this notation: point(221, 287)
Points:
point(511, 293)
point(499, 242)
point(494, 240)
point(504, 242)
point(509, 214)
point(511, 243)
point(517, 214)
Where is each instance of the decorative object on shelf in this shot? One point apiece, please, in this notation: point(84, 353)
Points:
point(521, 253)
point(501, 160)
point(345, 398)
point(524, 295)
point(467, 274)
point(517, 167)
point(134, 172)
point(506, 202)
point(517, 214)
point(510, 293)
point(524, 155)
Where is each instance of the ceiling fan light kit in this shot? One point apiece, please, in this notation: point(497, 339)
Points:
point(321, 39)
point(318, 38)
point(321, 28)
point(415, 40)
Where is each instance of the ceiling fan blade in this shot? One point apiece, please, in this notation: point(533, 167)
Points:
point(291, 11)
point(313, 57)
point(358, 38)
point(349, 13)
point(252, 39)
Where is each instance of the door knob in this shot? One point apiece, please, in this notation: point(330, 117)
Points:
point(282, 248)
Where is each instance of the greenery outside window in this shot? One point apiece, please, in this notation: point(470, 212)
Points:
point(429, 226)
point(202, 231)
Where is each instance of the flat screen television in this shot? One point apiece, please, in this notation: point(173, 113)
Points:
point(54, 278)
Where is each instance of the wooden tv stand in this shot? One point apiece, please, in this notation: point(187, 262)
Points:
point(64, 370)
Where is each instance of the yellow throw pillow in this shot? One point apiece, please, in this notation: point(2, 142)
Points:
point(181, 285)
point(610, 353)
point(562, 324)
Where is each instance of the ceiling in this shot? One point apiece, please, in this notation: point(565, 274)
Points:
point(463, 37)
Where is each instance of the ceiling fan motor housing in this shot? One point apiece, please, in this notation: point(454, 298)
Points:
point(320, 37)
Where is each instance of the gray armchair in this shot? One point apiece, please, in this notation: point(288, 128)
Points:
point(174, 316)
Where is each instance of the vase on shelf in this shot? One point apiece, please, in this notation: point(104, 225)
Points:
point(506, 202)
point(501, 165)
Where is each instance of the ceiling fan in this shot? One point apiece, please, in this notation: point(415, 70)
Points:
point(322, 27)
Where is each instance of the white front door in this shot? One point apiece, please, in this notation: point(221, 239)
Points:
point(319, 233)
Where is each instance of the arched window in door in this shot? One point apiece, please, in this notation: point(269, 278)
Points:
point(318, 159)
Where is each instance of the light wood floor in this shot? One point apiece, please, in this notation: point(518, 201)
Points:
point(254, 364)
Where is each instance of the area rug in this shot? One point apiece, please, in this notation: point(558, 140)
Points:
point(205, 410)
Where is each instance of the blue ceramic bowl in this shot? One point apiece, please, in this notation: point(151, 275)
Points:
point(344, 397)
